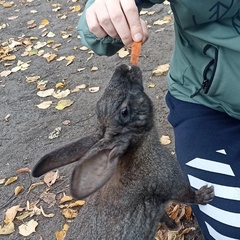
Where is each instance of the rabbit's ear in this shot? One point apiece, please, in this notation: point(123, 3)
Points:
point(65, 155)
point(95, 171)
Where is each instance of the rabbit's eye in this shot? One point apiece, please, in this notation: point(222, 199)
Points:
point(124, 112)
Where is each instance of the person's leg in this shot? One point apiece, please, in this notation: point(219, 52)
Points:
point(207, 146)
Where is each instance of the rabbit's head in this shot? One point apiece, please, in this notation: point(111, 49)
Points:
point(124, 115)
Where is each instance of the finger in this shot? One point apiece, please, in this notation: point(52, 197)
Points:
point(131, 12)
point(106, 17)
point(145, 31)
point(119, 21)
point(93, 23)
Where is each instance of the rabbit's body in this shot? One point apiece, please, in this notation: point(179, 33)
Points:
point(126, 175)
point(129, 207)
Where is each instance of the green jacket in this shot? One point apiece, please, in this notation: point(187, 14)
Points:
point(205, 65)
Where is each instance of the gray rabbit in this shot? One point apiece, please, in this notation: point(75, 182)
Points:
point(125, 174)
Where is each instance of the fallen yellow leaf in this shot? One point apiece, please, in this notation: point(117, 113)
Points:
point(64, 104)
point(18, 189)
point(9, 58)
point(10, 180)
point(60, 85)
point(35, 185)
point(32, 79)
point(160, 70)
point(77, 203)
point(7, 229)
point(70, 58)
point(69, 213)
point(62, 234)
point(44, 22)
point(7, 4)
point(66, 199)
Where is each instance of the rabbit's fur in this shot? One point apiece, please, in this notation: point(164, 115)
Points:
point(127, 177)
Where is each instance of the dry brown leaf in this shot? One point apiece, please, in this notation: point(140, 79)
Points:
point(50, 215)
point(62, 104)
point(10, 180)
point(69, 213)
point(62, 234)
point(23, 170)
point(51, 57)
point(51, 177)
point(174, 235)
point(11, 214)
point(31, 206)
point(41, 85)
point(188, 212)
point(7, 229)
point(173, 213)
point(49, 198)
point(28, 228)
point(44, 105)
point(23, 216)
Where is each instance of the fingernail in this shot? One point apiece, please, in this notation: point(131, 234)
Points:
point(137, 37)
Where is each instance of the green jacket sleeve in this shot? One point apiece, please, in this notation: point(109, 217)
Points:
point(107, 46)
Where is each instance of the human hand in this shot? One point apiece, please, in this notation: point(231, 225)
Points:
point(117, 19)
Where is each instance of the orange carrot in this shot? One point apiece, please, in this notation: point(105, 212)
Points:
point(135, 52)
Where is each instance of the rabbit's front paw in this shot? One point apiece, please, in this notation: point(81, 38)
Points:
point(204, 195)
